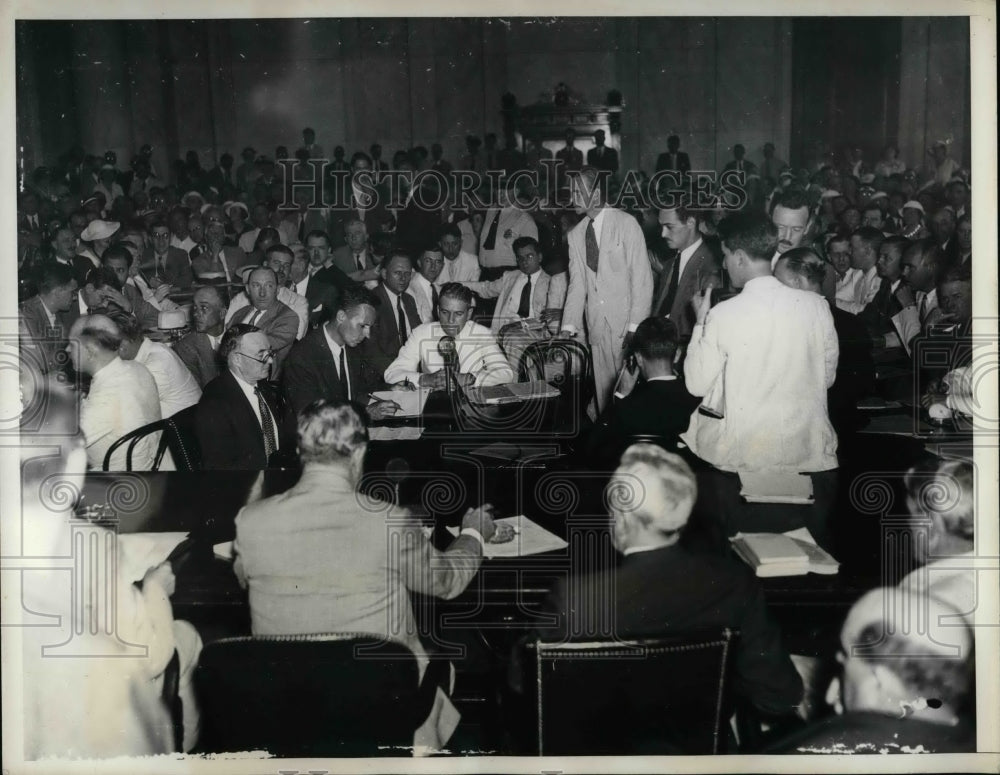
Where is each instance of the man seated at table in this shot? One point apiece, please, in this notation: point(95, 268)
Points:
point(122, 397)
point(279, 258)
point(109, 703)
point(315, 561)
point(479, 361)
point(175, 385)
point(662, 586)
point(163, 264)
point(268, 314)
point(327, 364)
point(199, 348)
point(242, 421)
point(658, 406)
point(904, 688)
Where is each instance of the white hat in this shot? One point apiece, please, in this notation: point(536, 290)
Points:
point(99, 230)
point(914, 204)
point(193, 193)
point(830, 194)
point(227, 206)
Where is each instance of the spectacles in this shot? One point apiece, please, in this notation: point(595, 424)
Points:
point(268, 356)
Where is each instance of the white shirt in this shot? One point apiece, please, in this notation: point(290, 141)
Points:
point(865, 292)
point(250, 392)
point(464, 268)
point(476, 348)
point(48, 313)
point(909, 321)
point(186, 244)
point(513, 223)
point(296, 302)
point(247, 240)
point(420, 290)
point(599, 223)
point(175, 384)
point(766, 359)
point(847, 285)
point(685, 256)
point(335, 350)
point(123, 396)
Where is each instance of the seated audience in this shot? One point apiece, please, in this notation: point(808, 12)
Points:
point(217, 261)
point(162, 263)
point(396, 315)
point(118, 259)
point(242, 420)
point(904, 688)
point(880, 313)
point(865, 245)
point(479, 360)
point(354, 258)
point(199, 349)
point(425, 283)
point(838, 252)
point(922, 265)
point(44, 320)
point(279, 259)
point(176, 386)
point(268, 314)
point(662, 586)
point(111, 702)
point(122, 397)
point(327, 364)
point(659, 405)
point(323, 281)
point(63, 245)
point(459, 265)
point(315, 561)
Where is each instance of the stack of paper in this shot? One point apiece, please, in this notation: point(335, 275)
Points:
point(786, 554)
point(529, 538)
point(394, 433)
point(511, 393)
point(772, 487)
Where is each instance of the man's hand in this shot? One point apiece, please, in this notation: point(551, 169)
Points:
point(379, 410)
point(465, 380)
point(116, 296)
point(480, 519)
point(162, 291)
point(567, 334)
point(434, 381)
point(162, 575)
point(904, 295)
point(404, 385)
point(551, 315)
point(702, 303)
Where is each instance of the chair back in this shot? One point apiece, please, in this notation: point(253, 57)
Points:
point(566, 364)
point(134, 437)
point(183, 439)
point(654, 696)
point(344, 694)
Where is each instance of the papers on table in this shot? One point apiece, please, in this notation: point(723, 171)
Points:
point(394, 433)
point(138, 552)
point(773, 487)
point(529, 538)
point(794, 553)
point(411, 402)
point(511, 393)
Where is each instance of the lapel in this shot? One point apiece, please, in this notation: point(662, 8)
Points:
point(241, 406)
point(323, 359)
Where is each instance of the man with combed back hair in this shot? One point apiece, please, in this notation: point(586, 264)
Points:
point(322, 558)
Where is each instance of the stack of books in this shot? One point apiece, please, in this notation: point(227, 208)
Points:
point(783, 554)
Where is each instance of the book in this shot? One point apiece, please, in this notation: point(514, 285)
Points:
point(774, 487)
point(511, 393)
point(794, 553)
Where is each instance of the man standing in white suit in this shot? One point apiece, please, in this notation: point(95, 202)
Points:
point(609, 279)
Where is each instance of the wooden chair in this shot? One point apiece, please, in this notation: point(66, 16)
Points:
point(176, 434)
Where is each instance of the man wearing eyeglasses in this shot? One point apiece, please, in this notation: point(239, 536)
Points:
point(278, 322)
point(242, 422)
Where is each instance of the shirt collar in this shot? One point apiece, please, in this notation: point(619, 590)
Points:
point(334, 347)
point(690, 249)
point(245, 386)
point(662, 378)
point(599, 218)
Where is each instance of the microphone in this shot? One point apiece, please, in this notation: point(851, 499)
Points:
point(446, 348)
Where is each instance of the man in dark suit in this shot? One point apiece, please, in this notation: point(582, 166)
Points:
point(674, 159)
point(602, 157)
point(161, 263)
point(199, 349)
point(327, 363)
point(739, 163)
point(242, 421)
point(266, 313)
point(357, 195)
point(64, 252)
point(570, 155)
point(118, 259)
point(692, 268)
point(46, 318)
point(660, 585)
point(396, 313)
point(321, 281)
point(659, 405)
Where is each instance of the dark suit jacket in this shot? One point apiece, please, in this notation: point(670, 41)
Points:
point(572, 158)
point(343, 259)
point(607, 161)
point(227, 429)
point(38, 337)
point(682, 163)
point(659, 408)
point(680, 311)
point(310, 374)
point(676, 589)
point(202, 361)
point(280, 324)
point(81, 268)
point(344, 210)
point(416, 228)
point(323, 291)
point(748, 166)
point(178, 271)
point(382, 347)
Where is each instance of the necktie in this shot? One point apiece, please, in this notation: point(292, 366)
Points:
point(491, 235)
point(343, 372)
point(675, 276)
point(253, 318)
point(359, 262)
point(592, 249)
point(266, 424)
point(401, 322)
point(434, 302)
point(524, 306)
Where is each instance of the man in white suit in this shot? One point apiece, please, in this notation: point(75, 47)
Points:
point(610, 280)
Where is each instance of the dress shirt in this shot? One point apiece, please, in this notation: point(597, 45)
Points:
point(335, 350)
point(294, 300)
point(514, 299)
point(422, 295)
point(123, 396)
point(393, 305)
point(864, 292)
point(175, 384)
point(187, 243)
point(685, 256)
point(464, 268)
point(250, 391)
point(477, 352)
point(847, 286)
point(766, 359)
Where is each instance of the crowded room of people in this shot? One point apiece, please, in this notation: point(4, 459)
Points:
point(478, 387)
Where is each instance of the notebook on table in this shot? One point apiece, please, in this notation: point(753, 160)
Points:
point(511, 393)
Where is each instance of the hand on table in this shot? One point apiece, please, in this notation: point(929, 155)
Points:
point(379, 410)
point(404, 385)
point(480, 519)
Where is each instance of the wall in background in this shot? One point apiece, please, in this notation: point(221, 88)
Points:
point(219, 85)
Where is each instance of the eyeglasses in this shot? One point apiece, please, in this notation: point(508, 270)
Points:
point(268, 356)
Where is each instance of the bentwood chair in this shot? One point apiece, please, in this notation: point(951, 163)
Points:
point(176, 434)
point(566, 364)
point(334, 694)
point(664, 695)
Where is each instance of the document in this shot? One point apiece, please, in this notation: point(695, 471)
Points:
point(411, 402)
point(529, 538)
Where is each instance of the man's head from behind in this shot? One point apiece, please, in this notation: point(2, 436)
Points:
point(650, 497)
point(905, 654)
point(332, 434)
point(802, 269)
point(654, 345)
point(790, 215)
point(93, 343)
point(355, 316)
point(748, 243)
point(673, 143)
point(131, 333)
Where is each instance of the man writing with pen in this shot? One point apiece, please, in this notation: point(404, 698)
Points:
point(327, 363)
